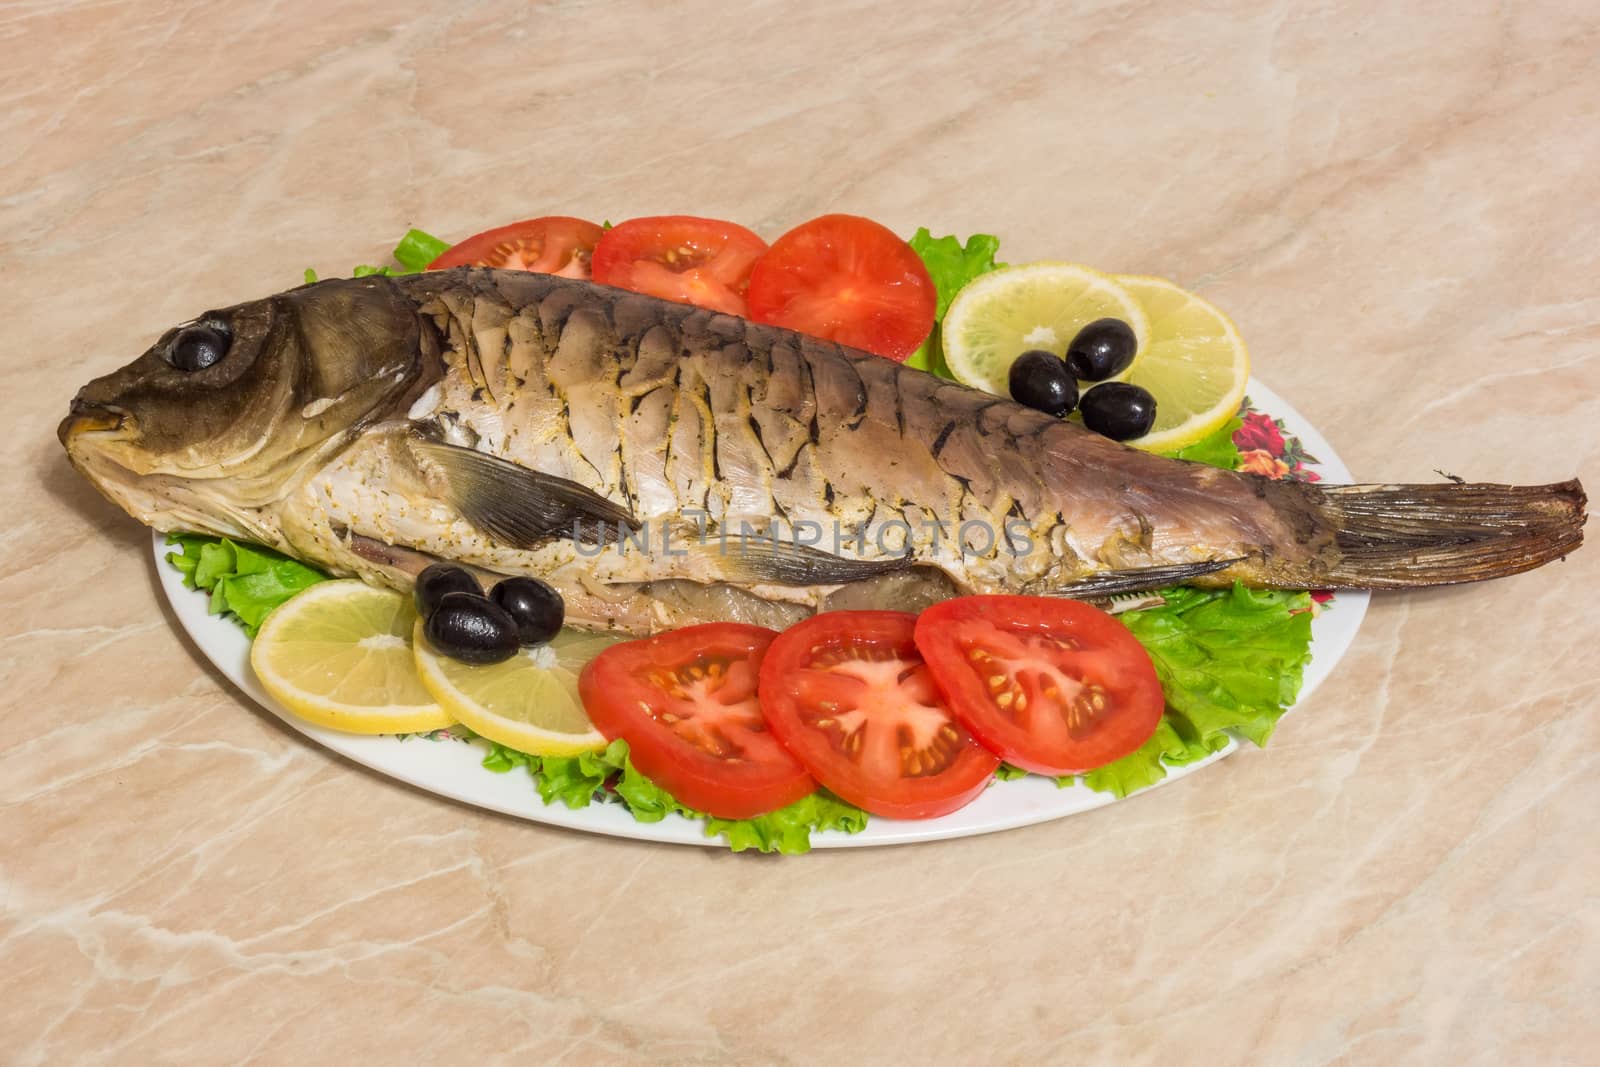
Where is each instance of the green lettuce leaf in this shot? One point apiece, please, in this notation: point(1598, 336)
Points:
point(788, 830)
point(417, 249)
point(245, 581)
point(572, 780)
point(413, 254)
point(951, 265)
point(1146, 766)
point(1230, 662)
point(648, 801)
point(609, 774)
point(1216, 449)
point(501, 759)
point(1229, 659)
point(575, 780)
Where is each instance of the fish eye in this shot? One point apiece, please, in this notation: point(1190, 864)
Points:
point(199, 346)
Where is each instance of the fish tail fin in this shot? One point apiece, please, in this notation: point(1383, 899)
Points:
point(1401, 536)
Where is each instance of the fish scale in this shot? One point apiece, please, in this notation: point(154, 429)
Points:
point(718, 464)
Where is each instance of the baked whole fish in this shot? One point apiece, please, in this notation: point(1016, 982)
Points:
point(662, 465)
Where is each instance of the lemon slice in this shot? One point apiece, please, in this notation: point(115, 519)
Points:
point(1194, 363)
point(1000, 315)
point(339, 655)
point(529, 702)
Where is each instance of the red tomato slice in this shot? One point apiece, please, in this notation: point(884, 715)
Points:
point(847, 693)
point(554, 244)
point(679, 257)
point(685, 702)
point(849, 280)
point(1053, 686)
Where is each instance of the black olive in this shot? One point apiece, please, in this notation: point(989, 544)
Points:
point(534, 606)
point(436, 580)
point(471, 628)
point(1118, 410)
point(1101, 349)
point(198, 347)
point(1040, 380)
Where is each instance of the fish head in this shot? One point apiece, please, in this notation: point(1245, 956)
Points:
point(219, 418)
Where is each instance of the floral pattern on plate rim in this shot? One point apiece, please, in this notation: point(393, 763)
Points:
point(1267, 448)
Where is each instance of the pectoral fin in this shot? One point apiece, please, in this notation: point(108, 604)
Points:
point(518, 506)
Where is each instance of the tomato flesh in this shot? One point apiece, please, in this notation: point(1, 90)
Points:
point(846, 279)
point(554, 244)
point(705, 262)
point(686, 703)
point(847, 693)
point(1053, 686)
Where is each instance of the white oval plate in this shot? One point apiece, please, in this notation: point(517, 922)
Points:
point(454, 769)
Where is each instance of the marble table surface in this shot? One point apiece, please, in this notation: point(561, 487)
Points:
point(1398, 209)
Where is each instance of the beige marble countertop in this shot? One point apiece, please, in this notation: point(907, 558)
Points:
point(1398, 210)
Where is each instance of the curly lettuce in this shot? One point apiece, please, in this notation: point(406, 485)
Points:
point(951, 264)
point(1216, 449)
point(245, 581)
point(417, 249)
point(412, 255)
point(609, 775)
point(1230, 661)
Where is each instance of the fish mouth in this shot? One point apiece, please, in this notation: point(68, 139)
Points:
point(90, 418)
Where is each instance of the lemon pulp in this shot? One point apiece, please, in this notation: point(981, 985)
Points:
point(339, 655)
